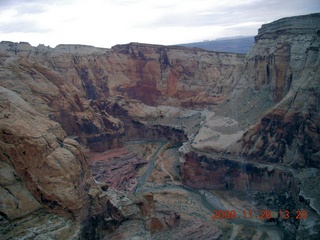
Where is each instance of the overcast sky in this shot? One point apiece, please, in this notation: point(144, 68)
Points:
point(104, 23)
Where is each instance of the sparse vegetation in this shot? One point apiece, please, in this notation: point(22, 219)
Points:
point(245, 233)
point(226, 231)
point(264, 236)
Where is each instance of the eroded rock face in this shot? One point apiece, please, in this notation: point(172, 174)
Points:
point(16, 200)
point(285, 59)
point(71, 84)
point(281, 132)
point(116, 169)
point(145, 221)
point(41, 168)
point(200, 171)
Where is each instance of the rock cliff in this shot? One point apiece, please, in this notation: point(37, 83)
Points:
point(52, 98)
point(43, 169)
point(75, 85)
point(275, 122)
point(245, 122)
point(286, 61)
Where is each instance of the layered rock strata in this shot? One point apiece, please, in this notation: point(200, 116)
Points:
point(281, 132)
point(286, 61)
point(84, 93)
point(43, 169)
point(74, 84)
point(116, 169)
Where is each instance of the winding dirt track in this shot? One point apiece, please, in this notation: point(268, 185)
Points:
point(205, 199)
point(142, 180)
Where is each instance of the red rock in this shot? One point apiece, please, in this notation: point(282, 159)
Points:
point(116, 168)
point(154, 225)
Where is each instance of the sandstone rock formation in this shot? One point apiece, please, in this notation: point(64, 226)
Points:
point(286, 59)
point(41, 168)
point(116, 170)
point(287, 132)
point(279, 117)
point(74, 85)
point(246, 123)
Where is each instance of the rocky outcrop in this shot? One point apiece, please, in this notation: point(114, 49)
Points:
point(164, 73)
point(142, 218)
point(116, 169)
point(214, 172)
point(41, 168)
point(285, 59)
point(40, 224)
point(145, 220)
point(16, 200)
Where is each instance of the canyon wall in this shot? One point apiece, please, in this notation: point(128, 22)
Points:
point(266, 138)
point(42, 169)
point(52, 98)
point(271, 117)
point(75, 85)
point(285, 59)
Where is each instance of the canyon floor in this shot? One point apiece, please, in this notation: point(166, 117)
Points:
point(160, 175)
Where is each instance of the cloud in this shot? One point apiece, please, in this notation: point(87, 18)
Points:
point(22, 17)
point(108, 22)
point(22, 26)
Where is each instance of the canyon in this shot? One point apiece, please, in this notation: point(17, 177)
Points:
point(144, 141)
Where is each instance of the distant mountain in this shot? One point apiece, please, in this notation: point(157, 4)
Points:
point(234, 45)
